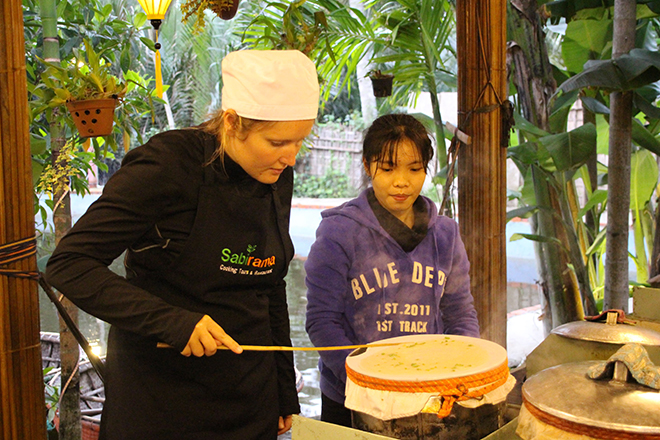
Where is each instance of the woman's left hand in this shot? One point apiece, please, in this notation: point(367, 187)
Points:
point(284, 424)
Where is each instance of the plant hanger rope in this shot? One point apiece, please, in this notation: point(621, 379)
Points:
point(455, 145)
point(26, 248)
point(15, 251)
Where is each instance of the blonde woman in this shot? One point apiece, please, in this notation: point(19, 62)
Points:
point(203, 215)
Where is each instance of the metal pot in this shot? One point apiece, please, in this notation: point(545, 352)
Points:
point(565, 398)
point(583, 340)
point(452, 387)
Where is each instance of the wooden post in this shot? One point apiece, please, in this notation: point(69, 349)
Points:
point(481, 42)
point(22, 405)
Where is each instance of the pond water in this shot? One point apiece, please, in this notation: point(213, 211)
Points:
point(306, 361)
point(96, 332)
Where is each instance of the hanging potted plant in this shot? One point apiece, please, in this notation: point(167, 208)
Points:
point(225, 9)
point(381, 83)
point(89, 91)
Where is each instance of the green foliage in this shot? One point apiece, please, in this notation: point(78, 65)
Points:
point(432, 193)
point(87, 76)
point(636, 72)
point(111, 63)
point(341, 108)
point(286, 25)
point(352, 120)
point(584, 40)
point(586, 72)
point(595, 9)
point(52, 395)
point(333, 184)
point(419, 49)
point(332, 34)
point(192, 66)
point(115, 61)
point(630, 71)
point(643, 178)
point(643, 181)
point(195, 11)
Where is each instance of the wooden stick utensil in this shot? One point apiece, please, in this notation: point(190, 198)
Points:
point(284, 348)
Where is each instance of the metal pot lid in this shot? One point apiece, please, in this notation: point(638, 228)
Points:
point(565, 392)
point(607, 333)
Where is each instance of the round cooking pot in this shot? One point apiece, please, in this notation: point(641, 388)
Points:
point(584, 340)
point(429, 387)
point(563, 402)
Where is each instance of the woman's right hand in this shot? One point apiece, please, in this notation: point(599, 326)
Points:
point(206, 337)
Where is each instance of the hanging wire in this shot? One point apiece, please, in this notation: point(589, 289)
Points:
point(452, 155)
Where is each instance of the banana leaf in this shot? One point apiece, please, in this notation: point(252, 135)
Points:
point(628, 72)
point(570, 150)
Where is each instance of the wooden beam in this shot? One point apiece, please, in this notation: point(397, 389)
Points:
point(22, 405)
point(481, 37)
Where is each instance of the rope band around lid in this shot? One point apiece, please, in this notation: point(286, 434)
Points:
point(580, 429)
point(452, 390)
point(15, 251)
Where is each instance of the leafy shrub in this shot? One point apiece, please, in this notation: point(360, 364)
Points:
point(333, 184)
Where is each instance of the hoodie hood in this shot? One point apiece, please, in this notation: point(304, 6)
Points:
point(358, 210)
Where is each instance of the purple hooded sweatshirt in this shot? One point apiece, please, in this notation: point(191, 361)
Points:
point(363, 287)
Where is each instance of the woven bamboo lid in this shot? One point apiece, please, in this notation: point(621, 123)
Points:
point(427, 357)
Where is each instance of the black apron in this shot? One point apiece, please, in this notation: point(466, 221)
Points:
point(231, 266)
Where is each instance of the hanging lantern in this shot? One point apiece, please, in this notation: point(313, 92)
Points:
point(156, 10)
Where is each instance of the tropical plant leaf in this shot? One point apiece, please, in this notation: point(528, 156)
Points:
point(640, 67)
point(535, 237)
point(151, 44)
point(585, 40)
point(527, 193)
point(527, 127)
point(525, 153)
point(571, 150)
point(523, 212)
point(558, 120)
point(644, 138)
point(38, 145)
point(565, 100)
point(595, 106)
point(597, 197)
point(601, 74)
point(63, 94)
point(647, 107)
point(570, 8)
point(627, 72)
point(603, 129)
point(643, 178)
point(649, 92)
point(598, 246)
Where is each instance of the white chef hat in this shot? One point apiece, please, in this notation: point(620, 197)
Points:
point(270, 85)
